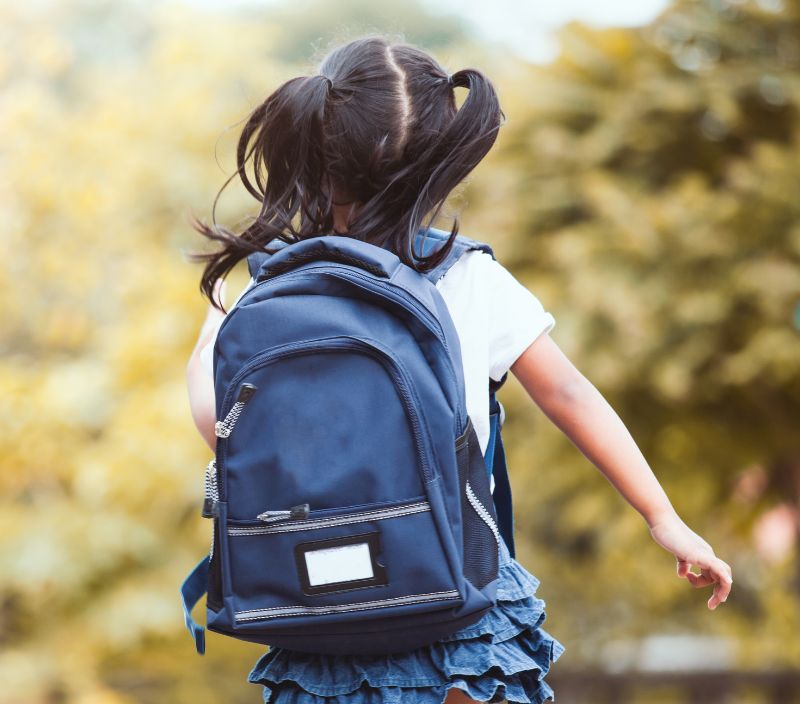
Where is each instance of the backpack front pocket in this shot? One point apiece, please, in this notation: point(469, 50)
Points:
point(346, 564)
point(318, 419)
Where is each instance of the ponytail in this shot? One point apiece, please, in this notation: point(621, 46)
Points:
point(289, 174)
point(466, 140)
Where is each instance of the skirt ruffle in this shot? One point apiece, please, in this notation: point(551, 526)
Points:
point(503, 656)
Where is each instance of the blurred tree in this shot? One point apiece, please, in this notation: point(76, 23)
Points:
point(650, 197)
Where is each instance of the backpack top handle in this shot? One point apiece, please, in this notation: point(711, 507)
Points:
point(336, 248)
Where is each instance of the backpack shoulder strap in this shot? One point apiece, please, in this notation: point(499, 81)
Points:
point(254, 262)
point(430, 239)
point(495, 457)
point(256, 259)
point(496, 462)
point(427, 241)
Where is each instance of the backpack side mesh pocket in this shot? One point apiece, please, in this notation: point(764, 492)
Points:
point(481, 535)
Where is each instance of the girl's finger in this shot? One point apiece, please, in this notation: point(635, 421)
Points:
point(718, 569)
point(727, 571)
point(720, 595)
point(722, 586)
point(724, 581)
point(699, 580)
point(713, 570)
point(721, 591)
point(696, 580)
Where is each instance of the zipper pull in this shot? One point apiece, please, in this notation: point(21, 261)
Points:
point(299, 512)
point(223, 428)
point(212, 493)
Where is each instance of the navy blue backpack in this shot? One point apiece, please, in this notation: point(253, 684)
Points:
point(350, 500)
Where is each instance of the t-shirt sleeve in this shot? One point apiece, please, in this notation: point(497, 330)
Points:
point(207, 351)
point(516, 317)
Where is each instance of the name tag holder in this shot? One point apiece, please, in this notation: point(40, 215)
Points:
point(340, 564)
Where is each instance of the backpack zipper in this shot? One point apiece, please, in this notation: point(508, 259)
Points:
point(212, 493)
point(303, 610)
point(480, 509)
point(334, 520)
point(224, 427)
point(299, 512)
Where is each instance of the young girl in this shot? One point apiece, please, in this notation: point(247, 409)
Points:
point(367, 147)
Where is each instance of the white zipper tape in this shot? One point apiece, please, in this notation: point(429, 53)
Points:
point(278, 611)
point(480, 509)
point(332, 521)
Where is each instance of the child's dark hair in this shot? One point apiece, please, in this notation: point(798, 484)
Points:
point(377, 125)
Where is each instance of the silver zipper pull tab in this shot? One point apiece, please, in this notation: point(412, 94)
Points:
point(212, 492)
point(298, 512)
point(223, 428)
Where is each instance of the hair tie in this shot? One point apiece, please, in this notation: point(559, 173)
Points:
point(450, 81)
point(328, 80)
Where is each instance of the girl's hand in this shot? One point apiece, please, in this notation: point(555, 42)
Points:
point(671, 533)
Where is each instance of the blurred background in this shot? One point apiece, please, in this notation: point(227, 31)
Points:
point(646, 187)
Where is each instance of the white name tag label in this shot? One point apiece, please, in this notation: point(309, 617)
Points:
point(339, 564)
point(343, 563)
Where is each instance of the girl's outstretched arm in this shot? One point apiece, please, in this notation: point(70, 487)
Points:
point(581, 412)
point(198, 381)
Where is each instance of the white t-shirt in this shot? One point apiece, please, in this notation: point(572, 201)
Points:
point(496, 318)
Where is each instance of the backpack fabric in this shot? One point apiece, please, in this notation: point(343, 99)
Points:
point(350, 500)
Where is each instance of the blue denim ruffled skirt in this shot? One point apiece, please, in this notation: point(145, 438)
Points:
point(503, 656)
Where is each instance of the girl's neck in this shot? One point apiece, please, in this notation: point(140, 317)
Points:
point(342, 214)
